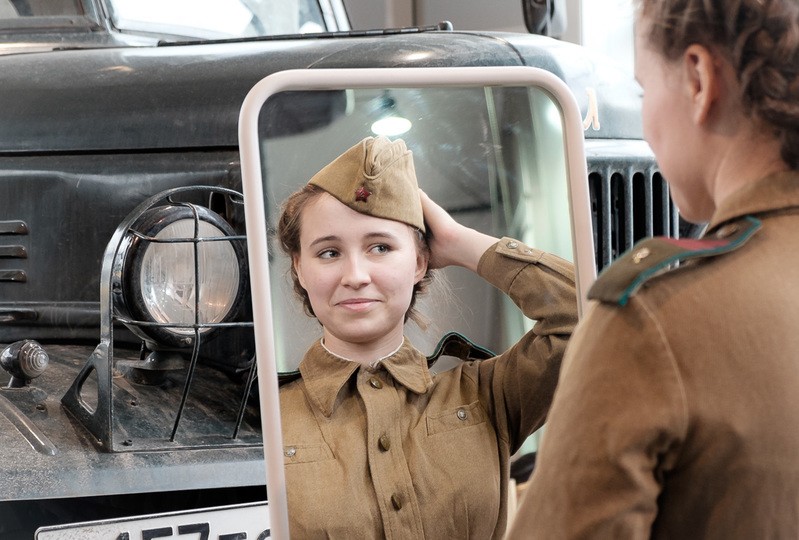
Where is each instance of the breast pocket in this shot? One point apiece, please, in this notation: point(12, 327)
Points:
point(456, 418)
point(306, 453)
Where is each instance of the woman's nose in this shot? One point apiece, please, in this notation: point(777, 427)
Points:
point(355, 272)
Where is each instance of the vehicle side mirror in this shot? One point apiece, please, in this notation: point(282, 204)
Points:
point(545, 17)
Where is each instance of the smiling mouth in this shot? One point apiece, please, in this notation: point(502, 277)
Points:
point(357, 304)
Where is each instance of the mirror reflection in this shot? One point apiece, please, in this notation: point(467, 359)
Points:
point(380, 434)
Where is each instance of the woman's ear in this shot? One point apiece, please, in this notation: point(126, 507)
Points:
point(702, 80)
point(422, 261)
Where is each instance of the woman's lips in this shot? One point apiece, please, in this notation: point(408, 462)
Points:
point(357, 304)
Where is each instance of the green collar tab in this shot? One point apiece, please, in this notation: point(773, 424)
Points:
point(653, 256)
point(459, 346)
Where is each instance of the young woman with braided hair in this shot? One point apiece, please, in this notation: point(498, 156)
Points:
point(677, 409)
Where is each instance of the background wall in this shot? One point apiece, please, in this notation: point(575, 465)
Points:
point(498, 15)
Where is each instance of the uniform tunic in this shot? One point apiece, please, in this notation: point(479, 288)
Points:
point(396, 452)
point(677, 415)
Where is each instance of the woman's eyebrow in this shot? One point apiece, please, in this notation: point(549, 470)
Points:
point(369, 236)
point(379, 234)
point(321, 239)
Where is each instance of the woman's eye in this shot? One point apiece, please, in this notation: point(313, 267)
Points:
point(380, 249)
point(328, 254)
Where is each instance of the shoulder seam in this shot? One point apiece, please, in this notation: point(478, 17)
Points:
point(672, 360)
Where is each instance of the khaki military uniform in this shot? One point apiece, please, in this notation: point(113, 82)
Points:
point(677, 415)
point(396, 452)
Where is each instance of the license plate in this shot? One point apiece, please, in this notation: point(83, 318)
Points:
point(237, 522)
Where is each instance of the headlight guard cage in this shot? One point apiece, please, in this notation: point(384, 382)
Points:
point(100, 416)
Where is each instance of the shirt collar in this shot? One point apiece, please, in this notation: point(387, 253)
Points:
point(325, 373)
point(774, 192)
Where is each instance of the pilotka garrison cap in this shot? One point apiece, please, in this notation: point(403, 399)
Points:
point(375, 177)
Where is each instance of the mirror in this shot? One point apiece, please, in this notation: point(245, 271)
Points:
point(501, 149)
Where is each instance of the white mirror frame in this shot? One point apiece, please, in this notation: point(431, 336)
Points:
point(255, 212)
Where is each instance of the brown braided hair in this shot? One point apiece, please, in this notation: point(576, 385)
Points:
point(761, 40)
point(288, 234)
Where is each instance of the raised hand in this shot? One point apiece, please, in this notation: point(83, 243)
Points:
point(452, 244)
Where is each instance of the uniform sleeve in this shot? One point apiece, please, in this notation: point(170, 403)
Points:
point(617, 422)
point(517, 386)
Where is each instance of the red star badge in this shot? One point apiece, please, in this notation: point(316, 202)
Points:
point(362, 194)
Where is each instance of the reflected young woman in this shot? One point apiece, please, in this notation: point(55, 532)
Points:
point(375, 445)
point(677, 410)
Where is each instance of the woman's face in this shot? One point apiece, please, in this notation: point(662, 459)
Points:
point(359, 272)
point(669, 127)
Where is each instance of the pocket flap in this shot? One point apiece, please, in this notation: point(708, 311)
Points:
point(456, 418)
point(305, 453)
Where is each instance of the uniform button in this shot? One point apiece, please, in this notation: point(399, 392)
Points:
point(727, 230)
point(290, 451)
point(375, 383)
point(384, 442)
point(513, 245)
point(640, 255)
point(462, 414)
point(396, 501)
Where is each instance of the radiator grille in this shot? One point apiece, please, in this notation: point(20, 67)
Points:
point(629, 201)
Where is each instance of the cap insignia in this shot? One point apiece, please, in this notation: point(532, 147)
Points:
point(362, 194)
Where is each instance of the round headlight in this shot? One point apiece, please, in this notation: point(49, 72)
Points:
point(162, 281)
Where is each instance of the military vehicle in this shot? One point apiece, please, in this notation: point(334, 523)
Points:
point(126, 336)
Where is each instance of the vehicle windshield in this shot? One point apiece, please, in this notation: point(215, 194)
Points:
point(217, 19)
point(169, 20)
point(13, 9)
